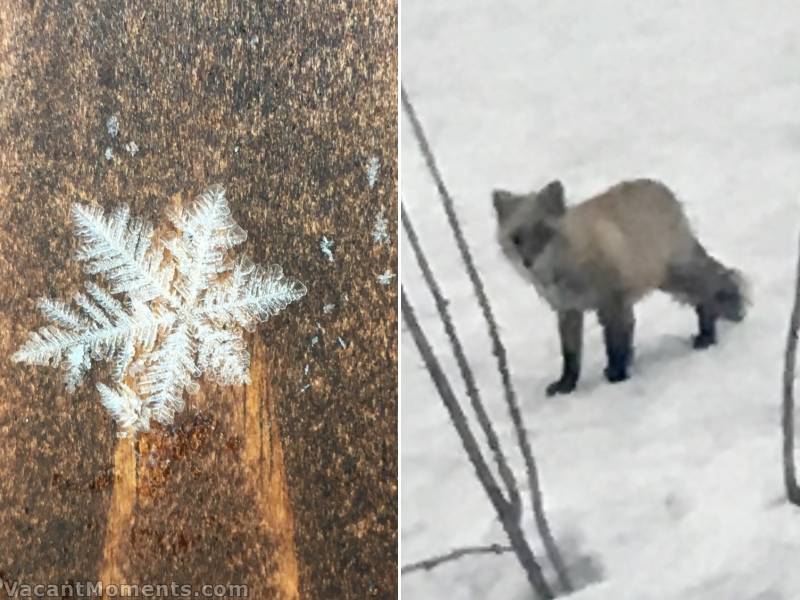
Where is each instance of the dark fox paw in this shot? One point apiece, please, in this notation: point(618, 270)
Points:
point(615, 375)
point(703, 340)
point(562, 386)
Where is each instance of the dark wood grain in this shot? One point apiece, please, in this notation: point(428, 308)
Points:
point(282, 103)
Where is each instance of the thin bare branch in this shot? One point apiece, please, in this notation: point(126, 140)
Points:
point(435, 561)
point(787, 416)
point(510, 524)
point(463, 365)
point(497, 348)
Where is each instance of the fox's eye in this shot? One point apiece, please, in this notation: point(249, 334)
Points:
point(516, 239)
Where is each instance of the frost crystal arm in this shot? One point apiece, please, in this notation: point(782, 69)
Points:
point(121, 249)
point(207, 232)
point(170, 370)
point(103, 329)
point(126, 407)
point(250, 295)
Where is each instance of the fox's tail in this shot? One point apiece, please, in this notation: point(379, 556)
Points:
point(729, 291)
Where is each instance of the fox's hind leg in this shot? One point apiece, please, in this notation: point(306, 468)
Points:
point(707, 325)
point(616, 317)
point(689, 283)
point(570, 328)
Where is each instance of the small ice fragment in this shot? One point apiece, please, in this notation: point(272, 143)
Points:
point(112, 126)
point(326, 247)
point(380, 229)
point(386, 277)
point(373, 168)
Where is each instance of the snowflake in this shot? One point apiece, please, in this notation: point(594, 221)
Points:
point(386, 277)
point(112, 126)
point(380, 229)
point(373, 168)
point(326, 247)
point(132, 148)
point(328, 309)
point(184, 314)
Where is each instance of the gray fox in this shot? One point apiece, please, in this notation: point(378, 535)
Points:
point(604, 255)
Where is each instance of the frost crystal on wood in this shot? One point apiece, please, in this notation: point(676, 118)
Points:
point(380, 229)
point(112, 126)
point(373, 168)
point(132, 148)
point(386, 277)
point(326, 247)
point(185, 308)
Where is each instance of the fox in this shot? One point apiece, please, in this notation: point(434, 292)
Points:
point(604, 255)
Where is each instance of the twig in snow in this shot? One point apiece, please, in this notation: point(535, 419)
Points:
point(435, 561)
point(510, 523)
point(787, 413)
point(515, 504)
point(498, 349)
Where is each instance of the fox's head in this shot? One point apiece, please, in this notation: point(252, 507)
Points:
point(527, 222)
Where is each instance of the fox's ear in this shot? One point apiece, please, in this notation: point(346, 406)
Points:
point(504, 203)
point(551, 198)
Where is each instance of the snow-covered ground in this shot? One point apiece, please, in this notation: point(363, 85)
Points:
point(667, 486)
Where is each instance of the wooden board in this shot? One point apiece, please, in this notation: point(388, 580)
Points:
point(290, 490)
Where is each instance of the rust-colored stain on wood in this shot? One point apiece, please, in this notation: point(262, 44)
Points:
point(262, 455)
point(287, 485)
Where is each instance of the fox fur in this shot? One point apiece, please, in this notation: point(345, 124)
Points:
point(607, 253)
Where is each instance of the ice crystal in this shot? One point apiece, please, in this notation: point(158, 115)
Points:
point(373, 168)
point(386, 277)
point(380, 229)
point(112, 126)
point(328, 309)
point(109, 153)
point(132, 148)
point(186, 306)
point(326, 247)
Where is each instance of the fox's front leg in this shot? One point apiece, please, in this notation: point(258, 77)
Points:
point(570, 328)
point(617, 320)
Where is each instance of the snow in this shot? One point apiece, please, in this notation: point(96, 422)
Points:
point(669, 485)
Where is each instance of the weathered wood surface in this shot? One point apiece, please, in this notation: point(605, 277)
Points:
point(264, 485)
